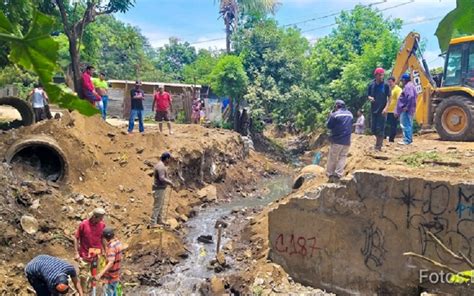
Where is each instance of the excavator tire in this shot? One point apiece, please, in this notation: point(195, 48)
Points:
point(25, 109)
point(454, 119)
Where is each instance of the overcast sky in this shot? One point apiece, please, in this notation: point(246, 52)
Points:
point(197, 22)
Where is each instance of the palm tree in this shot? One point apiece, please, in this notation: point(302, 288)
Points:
point(231, 9)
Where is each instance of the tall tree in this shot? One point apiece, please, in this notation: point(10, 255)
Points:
point(230, 10)
point(76, 17)
point(172, 57)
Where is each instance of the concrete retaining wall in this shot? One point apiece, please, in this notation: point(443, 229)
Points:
point(349, 239)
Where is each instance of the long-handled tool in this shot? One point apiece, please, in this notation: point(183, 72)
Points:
point(94, 254)
point(94, 273)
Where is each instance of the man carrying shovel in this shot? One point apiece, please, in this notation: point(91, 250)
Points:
point(161, 181)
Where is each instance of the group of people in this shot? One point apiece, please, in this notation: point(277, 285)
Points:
point(50, 275)
point(162, 105)
point(95, 90)
point(389, 102)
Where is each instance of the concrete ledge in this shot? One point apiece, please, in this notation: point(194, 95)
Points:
point(349, 238)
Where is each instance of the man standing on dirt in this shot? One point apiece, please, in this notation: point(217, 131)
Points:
point(88, 236)
point(137, 96)
point(88, 90)
point(162, 102)
point(379, 96)
point(161, 181)
point(392, 120)
point(101, 87)
point(48, 276)
point(406, 107)
point(340, 124)
point(111, 272)
point(38, 99)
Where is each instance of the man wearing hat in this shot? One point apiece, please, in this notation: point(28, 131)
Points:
point(406, 107)
point(137, 96)
point(379, 96)
point(111, 272)
point(161, 181)
point(88, 237)
point(48, 275)
point(340, 125)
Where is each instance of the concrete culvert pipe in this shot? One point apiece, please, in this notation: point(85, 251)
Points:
point(40, 156)
point(23, 107)
point(298, 182)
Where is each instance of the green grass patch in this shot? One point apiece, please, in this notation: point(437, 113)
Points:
point(417, 159)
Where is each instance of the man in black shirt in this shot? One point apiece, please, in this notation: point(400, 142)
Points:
point(379, 96)
point(137, 96)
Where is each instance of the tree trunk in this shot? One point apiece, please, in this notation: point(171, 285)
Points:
point(227, 35)
point(75, 60)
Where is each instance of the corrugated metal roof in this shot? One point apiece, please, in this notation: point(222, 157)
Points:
point(155, 83)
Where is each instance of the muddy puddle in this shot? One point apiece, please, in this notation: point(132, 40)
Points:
point(188, 276)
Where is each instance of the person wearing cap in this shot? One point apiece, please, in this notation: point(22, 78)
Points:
point(162, 102)
point(340, 125)
point(161, 181)
point(88, 236)
point(406, 107)
point(49, 275)
point(137, 96)
point(378, 94)
point(101, 86)
point(111, 272)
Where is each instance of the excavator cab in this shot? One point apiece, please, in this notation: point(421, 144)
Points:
point(454, 100)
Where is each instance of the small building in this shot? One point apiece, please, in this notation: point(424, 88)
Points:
point(182, 95)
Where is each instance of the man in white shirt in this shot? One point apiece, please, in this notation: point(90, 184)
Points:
point(38, 98)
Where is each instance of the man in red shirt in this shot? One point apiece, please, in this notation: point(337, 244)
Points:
point(162, 101)
point(88, 237)
point(88, 90)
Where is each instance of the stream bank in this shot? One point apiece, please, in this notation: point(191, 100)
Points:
point(193, 275)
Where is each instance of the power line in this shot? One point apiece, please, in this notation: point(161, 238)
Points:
point(333, 24)
point(423, 20)
point(328, 15)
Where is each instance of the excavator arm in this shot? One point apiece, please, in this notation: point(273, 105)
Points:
point(407, 59)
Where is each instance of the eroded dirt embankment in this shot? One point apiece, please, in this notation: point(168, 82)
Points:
point(109, 168)
point(428, 158)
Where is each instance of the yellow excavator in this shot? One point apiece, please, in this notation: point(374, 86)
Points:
point(449, 104)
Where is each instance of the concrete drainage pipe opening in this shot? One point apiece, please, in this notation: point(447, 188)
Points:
point(14, 113)
point(39, 157)
point(298, 182)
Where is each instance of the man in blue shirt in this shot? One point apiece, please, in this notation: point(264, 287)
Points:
point(48, 275)
point(378, 94)
point(137, 96)
point(340, 124)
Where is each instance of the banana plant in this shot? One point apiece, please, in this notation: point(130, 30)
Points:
point(37, 51)
point(458, 22)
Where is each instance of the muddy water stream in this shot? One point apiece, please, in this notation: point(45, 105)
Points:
point(188, 275)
